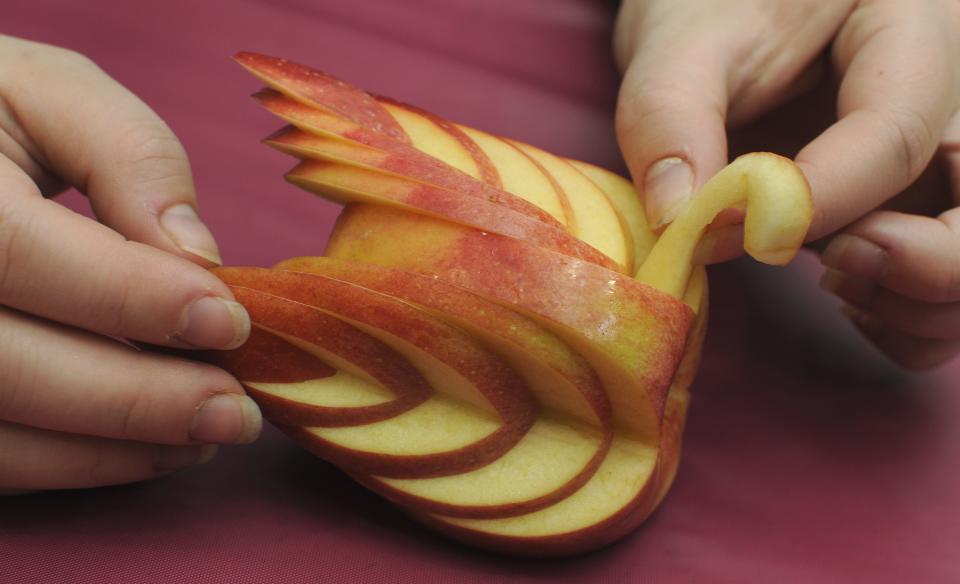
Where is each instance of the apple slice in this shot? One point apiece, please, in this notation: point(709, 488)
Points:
point(483, 410)
point(316, 89)
point(443, 140)
point(438, 437)
point(312, 369)
point(559, 378)
point(626, 202)
point(779, 212)
point(575, 411)
point(629, 484)
point(408, 161)
point(595, 220)
point(631, 334)
point(434, 141)
point(553, 460)
point(349, 183)
point(482, 156)
point(522, 176)
point(620, 495)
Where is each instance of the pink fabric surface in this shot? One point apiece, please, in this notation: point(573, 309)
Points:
point(805, 460)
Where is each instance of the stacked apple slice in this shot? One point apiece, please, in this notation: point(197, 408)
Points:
point(474, 345)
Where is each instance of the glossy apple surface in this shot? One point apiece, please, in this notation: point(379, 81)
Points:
point(495, 340)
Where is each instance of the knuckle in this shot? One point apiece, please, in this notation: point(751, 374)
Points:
point(135, 416)
point(153, 152)
point(914, 139)
point(16, 226)
point(17, 372)
point(96, 468)
point(42, 54)
point(939, 269)
point(148, 140)
point(72, 58)
point(111, 307)
point(950, 286)
point(655, 107)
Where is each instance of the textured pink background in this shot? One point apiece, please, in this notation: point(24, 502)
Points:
point(805, 461)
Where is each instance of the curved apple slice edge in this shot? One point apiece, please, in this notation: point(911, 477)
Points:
point(623, 491)
point(779, 210)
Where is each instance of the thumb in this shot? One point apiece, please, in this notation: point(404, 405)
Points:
point(671, 121)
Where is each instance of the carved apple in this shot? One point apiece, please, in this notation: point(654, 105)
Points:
point(493, 339)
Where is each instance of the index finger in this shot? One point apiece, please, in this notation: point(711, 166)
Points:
point(62, 266)
point(77, 122)
point(900, 86)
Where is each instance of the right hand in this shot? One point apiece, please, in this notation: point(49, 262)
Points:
point(864, 93)
point(78, 409)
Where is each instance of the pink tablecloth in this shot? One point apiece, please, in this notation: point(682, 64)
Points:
point(804, 461)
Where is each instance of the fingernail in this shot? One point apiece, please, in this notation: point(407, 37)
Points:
point(857, 291)
point(214, 323)
point(227, 418)
point(856, 256)
point(170, 458)
point(667, 187)
point(188, 232)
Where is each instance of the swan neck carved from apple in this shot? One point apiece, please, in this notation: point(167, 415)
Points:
point(779, 210)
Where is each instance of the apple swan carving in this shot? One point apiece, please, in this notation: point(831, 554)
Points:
point(494, 339)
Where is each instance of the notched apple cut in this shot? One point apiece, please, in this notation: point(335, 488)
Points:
point(495, 340)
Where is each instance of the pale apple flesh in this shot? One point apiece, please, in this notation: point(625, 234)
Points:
point(298, 371)
point(316, 89)
point(627, 487)
point(558, 376)
point(546, 387)
point(408, 160)
point(444, 140)
point(625, 201)
point(635, 353)
point(349, 183)
point(596, 220)
point(490, 405)
point(520, 174)
point(574, 409)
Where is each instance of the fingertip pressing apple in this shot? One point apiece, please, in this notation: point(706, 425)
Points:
point(779, 210)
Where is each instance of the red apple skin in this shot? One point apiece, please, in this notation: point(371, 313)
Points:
point(316, 88)
point(408, 161)
point(463, 306)
point(268, 358)
point(458, 303)
point(424, 198)
point(505, 392)
point(596, 536)
point(488, 172)
point(604, 532)
point(495, 266)
point(536, 280)
point(643, 504)
point(499, 384)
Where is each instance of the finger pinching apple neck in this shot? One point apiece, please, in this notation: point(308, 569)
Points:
point(779, 210)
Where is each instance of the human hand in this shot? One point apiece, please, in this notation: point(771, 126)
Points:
point(889, 114)
point(78, 409)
